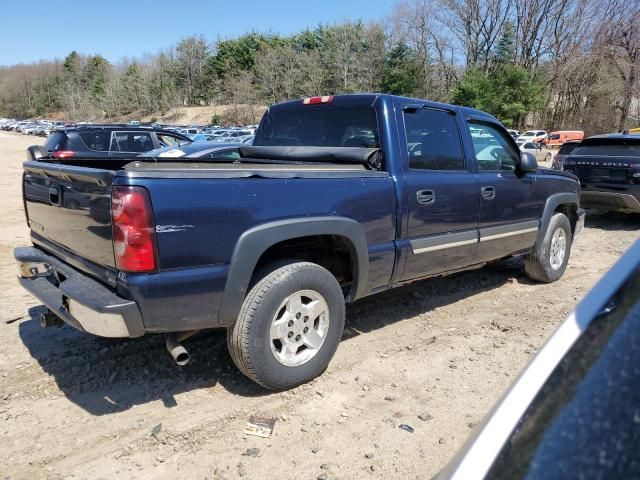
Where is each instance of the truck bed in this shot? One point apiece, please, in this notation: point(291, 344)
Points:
point(191, 169)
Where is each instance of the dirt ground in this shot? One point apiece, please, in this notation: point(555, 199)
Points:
point(435, 355)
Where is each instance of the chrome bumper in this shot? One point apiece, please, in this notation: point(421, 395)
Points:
point(622, 202)
point(75, 298)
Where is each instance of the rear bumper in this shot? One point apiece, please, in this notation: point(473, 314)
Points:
point(75, 298)
point(624, 202)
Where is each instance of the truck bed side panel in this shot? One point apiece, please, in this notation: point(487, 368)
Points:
point(199, 223)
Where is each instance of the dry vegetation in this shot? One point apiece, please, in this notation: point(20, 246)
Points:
point(569, 64)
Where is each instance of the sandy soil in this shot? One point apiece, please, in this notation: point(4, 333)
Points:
point(435, 355)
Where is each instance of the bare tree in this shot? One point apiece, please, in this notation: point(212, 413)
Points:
point(619, 39)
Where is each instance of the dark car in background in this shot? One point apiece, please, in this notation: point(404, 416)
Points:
point(608, 167)
point(564, 151)
point(100, 141)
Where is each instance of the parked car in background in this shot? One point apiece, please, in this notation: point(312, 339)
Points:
point(563, 152)
point(100, 141)
point(608, 167)
point(200, 137)
point(555, 139)
point(513, 133)
point(329, 205)
point(208, 149)
point(531, 136)
point(232, 135)
point(188, 131)
point(531, 147)
point(573, 412)
point(634, 131)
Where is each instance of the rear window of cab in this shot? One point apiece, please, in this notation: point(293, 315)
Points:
point(325, 126)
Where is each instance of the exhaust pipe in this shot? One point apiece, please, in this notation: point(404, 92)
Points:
point(176, 349)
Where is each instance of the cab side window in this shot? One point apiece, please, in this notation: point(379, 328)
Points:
point(494, 151)
point(433, 141)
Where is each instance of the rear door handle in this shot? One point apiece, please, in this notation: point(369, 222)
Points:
point(426, 197)
point(488, 192)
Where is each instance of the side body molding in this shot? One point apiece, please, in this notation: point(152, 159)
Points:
point(550, 206)
point(255, 241)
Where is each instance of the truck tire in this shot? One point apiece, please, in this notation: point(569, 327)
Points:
point(548, 259)
point(289, 326)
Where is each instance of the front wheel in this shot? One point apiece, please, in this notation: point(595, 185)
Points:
point(289, 326)
point(548, 259)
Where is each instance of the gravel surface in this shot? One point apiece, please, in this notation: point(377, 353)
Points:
point(434, 356)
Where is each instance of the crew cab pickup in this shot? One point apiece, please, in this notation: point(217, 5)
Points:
point(340, 197)
point(608, 167)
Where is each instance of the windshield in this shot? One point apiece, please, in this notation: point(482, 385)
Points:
point(319, 126)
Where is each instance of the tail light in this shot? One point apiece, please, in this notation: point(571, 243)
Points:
point(64, 154)
point(316, 100)
point(134, 237)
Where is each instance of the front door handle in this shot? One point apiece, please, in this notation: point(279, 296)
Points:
point(488, 192)
point(426, 197)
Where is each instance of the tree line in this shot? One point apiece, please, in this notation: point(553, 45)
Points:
point(563, 64)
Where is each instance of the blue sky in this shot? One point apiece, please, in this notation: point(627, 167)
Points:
point(32, 30)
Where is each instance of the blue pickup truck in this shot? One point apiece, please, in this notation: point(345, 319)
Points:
point(340, 197)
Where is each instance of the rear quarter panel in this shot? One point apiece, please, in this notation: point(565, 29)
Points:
point(199, 222)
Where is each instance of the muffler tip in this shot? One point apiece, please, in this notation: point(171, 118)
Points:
point(181, 356)
point(177, 351)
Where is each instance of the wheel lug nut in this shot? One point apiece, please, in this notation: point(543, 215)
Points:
point(297, 338)
point(306, 329)
point(306, 319)
point(290, 324)
point(298, 315)
point(290, 334)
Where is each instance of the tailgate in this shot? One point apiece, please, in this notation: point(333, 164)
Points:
point(69, 211)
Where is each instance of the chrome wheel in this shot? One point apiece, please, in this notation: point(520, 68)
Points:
point(558, 248)
point(299, 328)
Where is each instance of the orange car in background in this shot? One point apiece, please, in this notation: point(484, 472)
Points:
point(555, 139)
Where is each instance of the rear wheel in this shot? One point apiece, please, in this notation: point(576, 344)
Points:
point(548, 259)
point(289, 326)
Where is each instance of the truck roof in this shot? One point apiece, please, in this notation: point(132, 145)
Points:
point(365, 99)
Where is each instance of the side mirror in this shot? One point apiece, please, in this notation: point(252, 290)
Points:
point(528, 163)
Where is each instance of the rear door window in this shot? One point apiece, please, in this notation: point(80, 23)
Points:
point(98, 141)
point(320, 127)
point(433, 141)
point(131, 142)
